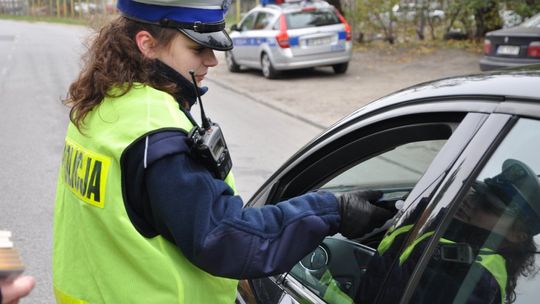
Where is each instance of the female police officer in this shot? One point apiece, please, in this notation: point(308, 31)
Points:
point(138, 218)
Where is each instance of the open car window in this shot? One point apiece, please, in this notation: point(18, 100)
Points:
point(396, 170)
point(335, 269)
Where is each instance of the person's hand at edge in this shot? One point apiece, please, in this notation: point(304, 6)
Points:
point(359, 214)
point(11, 291)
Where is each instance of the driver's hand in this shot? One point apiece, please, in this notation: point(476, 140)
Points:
point(358, 213)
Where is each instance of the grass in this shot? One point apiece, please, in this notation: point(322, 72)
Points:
point(419, 47)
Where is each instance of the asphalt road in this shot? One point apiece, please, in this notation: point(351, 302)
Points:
point(38, 61)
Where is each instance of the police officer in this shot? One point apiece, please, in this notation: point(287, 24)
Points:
point(138, 218)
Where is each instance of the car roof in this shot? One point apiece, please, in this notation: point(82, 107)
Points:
point(294, 6)
point(518, 84)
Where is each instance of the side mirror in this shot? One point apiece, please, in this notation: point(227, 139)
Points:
point(234, 27)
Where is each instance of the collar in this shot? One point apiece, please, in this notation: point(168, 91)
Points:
point(186, 88)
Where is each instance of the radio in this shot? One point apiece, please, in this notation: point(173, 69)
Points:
point(208, 143)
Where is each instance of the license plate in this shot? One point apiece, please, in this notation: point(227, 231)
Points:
point(319, 41)
point(508, 50)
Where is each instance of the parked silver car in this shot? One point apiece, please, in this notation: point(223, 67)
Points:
point(292, 35)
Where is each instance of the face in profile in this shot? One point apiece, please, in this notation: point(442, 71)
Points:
point(486, 211)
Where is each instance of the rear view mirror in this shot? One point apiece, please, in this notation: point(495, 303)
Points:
point(234, 27)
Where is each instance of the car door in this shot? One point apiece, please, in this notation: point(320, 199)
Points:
point(241, 38)
point(253, 33)
point(404, 153)
point(485, 220)
point(261, 35)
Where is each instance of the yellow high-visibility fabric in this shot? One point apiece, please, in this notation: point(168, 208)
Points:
point(99, 257)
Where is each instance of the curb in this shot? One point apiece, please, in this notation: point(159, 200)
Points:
point(267, 103)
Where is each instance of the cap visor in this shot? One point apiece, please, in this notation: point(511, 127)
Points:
point(219, 41)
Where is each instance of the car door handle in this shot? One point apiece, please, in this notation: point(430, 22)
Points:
point(290, 284)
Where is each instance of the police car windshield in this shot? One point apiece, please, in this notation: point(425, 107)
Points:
point(303, 19)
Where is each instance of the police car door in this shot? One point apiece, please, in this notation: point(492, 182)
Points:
point(241, 40)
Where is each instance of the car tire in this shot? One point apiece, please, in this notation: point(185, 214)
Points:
point(340, 68)
point(232, 66)
point(267, 68)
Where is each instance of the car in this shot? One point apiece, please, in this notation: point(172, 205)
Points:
point(510, 18)
point(290, 35)
point(408, 12)
point(513, 46)
point(427, 148)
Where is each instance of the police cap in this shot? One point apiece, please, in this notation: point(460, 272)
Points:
point(519, 189)
point(201, 20)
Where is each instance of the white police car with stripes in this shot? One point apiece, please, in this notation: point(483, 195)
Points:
point(277, 36)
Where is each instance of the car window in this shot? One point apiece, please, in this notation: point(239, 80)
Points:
point(334, 271)
point(248, 22)
point(262, 21)
point(303, 19)
point(489, 252)
point(399, 168)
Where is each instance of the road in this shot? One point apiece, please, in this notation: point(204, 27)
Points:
point(37, 63)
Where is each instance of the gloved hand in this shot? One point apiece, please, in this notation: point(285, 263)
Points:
point(358, 213)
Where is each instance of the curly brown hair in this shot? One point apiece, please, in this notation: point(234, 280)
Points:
point(114, 60)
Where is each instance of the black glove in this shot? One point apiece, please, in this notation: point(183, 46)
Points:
point(358, 213)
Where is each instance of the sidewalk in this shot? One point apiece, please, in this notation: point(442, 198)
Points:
point(321, 98)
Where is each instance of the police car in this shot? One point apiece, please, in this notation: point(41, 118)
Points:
point(290, 35)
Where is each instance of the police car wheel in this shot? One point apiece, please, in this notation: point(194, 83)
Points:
point(267, 67)
point(340, 68)
point(231, 64)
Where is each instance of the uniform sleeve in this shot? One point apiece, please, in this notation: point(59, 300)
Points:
point(208, 223)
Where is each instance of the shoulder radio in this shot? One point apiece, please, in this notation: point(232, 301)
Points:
point(208, 143)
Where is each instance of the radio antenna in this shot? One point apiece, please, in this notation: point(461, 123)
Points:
point(204, 119)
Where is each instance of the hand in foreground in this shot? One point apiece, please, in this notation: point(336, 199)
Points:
point(14, 290)
point(358, 213)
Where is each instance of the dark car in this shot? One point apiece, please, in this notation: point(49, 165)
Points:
point(430, 149)
point(512, 47)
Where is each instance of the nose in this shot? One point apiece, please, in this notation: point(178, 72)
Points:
point(210, 59)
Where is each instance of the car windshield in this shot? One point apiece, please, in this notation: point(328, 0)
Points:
point(534, 21)
point(305, 19)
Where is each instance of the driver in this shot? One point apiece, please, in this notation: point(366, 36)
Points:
point(487, 246)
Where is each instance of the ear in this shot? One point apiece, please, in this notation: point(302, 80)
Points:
point(146, 44)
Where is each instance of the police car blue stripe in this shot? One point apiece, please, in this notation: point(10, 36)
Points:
point(155, 12)
point(256, 41)
point(253, 41)
point(294, 41)
point(342, 35)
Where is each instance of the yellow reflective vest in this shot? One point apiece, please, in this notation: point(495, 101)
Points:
point(494, 263)
point(99, 257)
